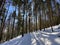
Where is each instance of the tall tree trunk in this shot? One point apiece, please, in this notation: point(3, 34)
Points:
point(26, 22)
point(43, 12)
point(50, 12)
point(2, 19)
point(40, 8)
point(8, 33)
point(7, 37)
point(26, 13)
point(19, 21)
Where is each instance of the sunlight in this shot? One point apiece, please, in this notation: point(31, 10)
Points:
point(57, 40)
point(42, 39)
point(45, 35)
point(55, 33)
point(33, 42)
point(47, 42)
point(30, 22)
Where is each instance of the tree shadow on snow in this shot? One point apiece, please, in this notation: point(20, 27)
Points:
point(52, 38)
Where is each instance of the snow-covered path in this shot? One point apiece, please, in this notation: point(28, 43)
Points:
point(37, 38)
point(47, 38)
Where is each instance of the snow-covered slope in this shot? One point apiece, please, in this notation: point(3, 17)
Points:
point(37, 38)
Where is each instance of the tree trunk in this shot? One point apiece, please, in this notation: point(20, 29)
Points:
point(50, 12)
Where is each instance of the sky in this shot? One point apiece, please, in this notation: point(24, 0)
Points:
point(58, 1)
point(12, 8)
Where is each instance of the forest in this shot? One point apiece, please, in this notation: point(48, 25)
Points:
point(19, 17)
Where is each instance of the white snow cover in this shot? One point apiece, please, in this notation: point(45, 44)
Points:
point(46, 37)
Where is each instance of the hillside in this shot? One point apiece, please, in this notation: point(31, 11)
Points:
point(37, 38)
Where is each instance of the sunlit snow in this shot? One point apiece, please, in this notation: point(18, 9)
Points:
point(37, 38)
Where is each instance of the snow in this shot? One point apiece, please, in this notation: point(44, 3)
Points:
point(37, 38)
point(12, 41)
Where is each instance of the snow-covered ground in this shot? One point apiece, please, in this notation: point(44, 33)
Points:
point(37, 38)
